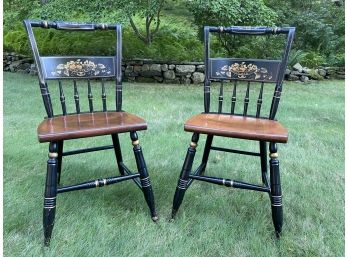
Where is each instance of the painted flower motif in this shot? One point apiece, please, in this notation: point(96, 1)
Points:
point(79, 68)
point(244, 71)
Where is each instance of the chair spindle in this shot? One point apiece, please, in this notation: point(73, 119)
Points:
point(103, 96)
point(259, 101)
point(246, 100)
point(234, 97)
point(77, 98)
point(90, 96)
point(62, 97)
point(221, 96)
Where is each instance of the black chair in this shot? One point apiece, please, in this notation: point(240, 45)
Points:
point(265, 130)
point(75, 124)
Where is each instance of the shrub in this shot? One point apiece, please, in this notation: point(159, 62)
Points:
point(313, 59)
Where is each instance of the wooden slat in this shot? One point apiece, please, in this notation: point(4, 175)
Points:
point(259, 101)
point(62, 97)
point(103, 96)
point(221, 97)
point(234, 97)
point(76, 98)
point(246, 100)
point(90, 96)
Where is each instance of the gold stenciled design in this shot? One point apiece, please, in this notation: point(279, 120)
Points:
point(80, 68)
point(244, 71)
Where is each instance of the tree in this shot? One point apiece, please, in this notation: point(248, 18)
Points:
point(150, 10)
point(117, 11)
point(232, 12)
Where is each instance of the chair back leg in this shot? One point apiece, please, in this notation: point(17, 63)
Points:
point(49, 209)
point(144, 175)
point(276, 191)
point(184, 175)
point(118, 153)
point(60, 159)
point(206, 153)
point(263, 158)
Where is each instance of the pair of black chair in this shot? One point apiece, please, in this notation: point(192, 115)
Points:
point(55, 129)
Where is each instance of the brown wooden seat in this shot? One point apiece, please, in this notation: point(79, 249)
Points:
point(88, 125)
point(237, 127)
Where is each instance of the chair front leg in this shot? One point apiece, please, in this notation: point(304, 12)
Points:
point(118, 153)
point(206, 153)
point(276, 191)
point(60, 159)
point(49, 209)
point(184, 175)
point(144, 175)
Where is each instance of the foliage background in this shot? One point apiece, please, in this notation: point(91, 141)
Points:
point(319, 27)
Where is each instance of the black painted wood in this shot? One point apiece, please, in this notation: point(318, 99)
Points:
point(251, 70)
point(222, 149)
point(49, 209)
point(221, 97)
point(263, 159)
point(118, 153)
point(198, 171)
point(62, 97)
point(246, 100)
point(76, 98)
point(96, 183)
point(276, 190)
point(234, 70)
point(234, 97)
point(60, 159)
point(206, 152)
point(259, 101)
point(78, 67)
point(128, 172)
point(244, 69)
point(184, 175)
point(88, 150)
point(103, 96)
point(231, 183)
point(83, 68)
point(144, 175)
point(90, 96)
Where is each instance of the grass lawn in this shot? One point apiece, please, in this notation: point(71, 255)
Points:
point(213, 220)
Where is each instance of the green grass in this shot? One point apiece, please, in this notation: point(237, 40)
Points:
point(213, 220)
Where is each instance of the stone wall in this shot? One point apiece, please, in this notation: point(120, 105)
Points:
point(174, 72)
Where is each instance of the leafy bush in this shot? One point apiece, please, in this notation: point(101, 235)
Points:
point(296, 56)
point(170, 44)
point(313, 59)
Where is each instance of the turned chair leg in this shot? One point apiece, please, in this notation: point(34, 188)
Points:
point(49, 209)
point(276, 191)
point(118, 153)
point(206, 153)
point(60, 159)
point(263, 158)
point(144, 176)
point(184, 175)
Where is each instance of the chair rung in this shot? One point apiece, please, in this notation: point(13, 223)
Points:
point(96, 183)
point(137, 182)
point(196, 172)
point(231, 183)
point(87, 150)
point(234, 151)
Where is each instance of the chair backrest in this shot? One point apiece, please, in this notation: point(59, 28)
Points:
point(76, 68)
point(248, 70)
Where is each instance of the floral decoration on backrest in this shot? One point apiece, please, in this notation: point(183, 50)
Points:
point(80, 68)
